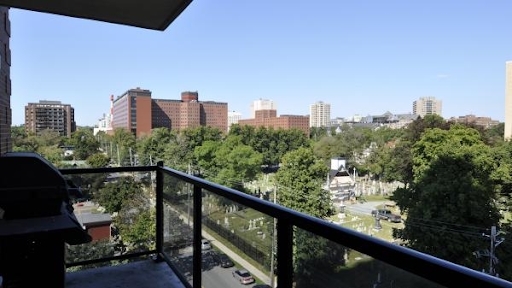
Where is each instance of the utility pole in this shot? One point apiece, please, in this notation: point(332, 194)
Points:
point(118, 156)
point(493, 260)
point(494, 242)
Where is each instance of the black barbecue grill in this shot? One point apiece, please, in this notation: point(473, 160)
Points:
point(36, 220)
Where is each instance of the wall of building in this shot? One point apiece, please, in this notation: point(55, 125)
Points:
point(5, 81)
point(143, 115)
point(51, 115)
point(214, 114)
point(508, 101)
point(99, 232)
point(266, 118)
point(121, 112)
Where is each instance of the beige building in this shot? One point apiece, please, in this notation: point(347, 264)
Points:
point(427, 106)
point(320, 114)
point(233, 118)
point(508, 101)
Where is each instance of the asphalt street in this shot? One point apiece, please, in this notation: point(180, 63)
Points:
point(363, 207)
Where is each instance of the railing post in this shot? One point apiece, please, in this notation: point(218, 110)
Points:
point(197, 226)
point(284, 253)
point(159, 210)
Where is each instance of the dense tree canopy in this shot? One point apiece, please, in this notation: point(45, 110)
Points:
point(85, 144)
point(229, 162)
point(452, 190)
point(115, 194)
point(271, 143)
point(98, 160)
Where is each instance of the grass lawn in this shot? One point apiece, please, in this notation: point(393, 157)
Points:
point(366, 224)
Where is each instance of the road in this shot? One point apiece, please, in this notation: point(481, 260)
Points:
point(213, 276)
point(234, 256)
point(364, 207)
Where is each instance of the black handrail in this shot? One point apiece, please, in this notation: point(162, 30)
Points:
point(431, 268)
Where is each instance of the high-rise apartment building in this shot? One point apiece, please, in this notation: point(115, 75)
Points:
point(427, 106)
point(51, 115)
point(233, 118)
point(508, 101)
point(320, 114)
point(5, 81)
point(262, 104)
point(137, 112)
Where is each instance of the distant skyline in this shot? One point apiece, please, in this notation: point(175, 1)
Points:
point(362, 57)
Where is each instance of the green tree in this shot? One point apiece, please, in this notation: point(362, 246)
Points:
point(85, 143)
point(137, 226)
point(152, 148)
point(123, 142)
point(88, 251)
point(453, 189)
point(494, 135)
point(49, 137)
point(272, 144)
point(98, 160)
point(115, 194)
point(229, 162)
point(400, 167)
point(237, 163)
point(299, 181)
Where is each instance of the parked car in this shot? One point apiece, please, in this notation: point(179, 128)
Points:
point(386, 214)
point(224, 261)
point(205, 245)
point(243, 276)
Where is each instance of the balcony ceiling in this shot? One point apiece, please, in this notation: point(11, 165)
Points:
point(150, 14)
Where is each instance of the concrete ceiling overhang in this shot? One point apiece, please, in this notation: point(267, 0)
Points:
point(150, 14)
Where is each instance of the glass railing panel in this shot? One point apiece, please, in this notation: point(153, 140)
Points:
point(241, 239)
point(319, 262)
point(118, 211)
point(177, 224)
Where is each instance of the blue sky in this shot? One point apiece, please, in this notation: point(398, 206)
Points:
point(363, 57)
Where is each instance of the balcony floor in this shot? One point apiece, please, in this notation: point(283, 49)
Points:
point(141, 274)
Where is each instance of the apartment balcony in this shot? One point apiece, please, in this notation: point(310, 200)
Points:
point(259, 236)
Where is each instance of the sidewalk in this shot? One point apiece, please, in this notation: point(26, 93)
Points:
point(235, 257)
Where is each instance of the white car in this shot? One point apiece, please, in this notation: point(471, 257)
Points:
point(205, 245)
point(243, 276)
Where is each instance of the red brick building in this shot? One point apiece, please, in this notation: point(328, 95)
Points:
point(269, 119)
point(52, 115)
point(5, 81)
point(132, 111)
point(137, 112)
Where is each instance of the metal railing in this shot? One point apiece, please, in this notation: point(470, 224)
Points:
point(426, 266)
